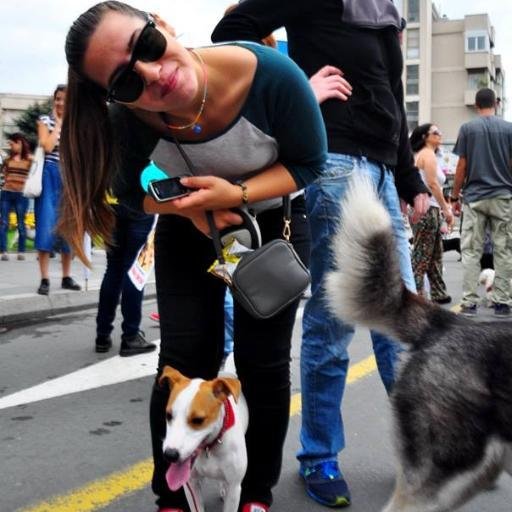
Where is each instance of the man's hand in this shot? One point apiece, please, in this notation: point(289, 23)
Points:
point(420, 207)
point(328, 83)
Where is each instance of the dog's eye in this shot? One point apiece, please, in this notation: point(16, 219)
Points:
point(198, 421)
point(168, 416)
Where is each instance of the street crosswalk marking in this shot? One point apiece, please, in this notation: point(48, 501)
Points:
point(113, 370)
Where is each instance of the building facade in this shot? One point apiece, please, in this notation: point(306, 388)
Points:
point(446, 62)
point(11, 106)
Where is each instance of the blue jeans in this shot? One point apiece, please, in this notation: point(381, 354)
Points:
point(228, 323)
point(17, 202)
point(324, 356)
point(46, 209)
point(130, 234)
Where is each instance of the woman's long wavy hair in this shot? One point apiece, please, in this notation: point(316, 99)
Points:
point(87, 151)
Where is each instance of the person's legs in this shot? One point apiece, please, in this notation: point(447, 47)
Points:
point(4, 220)
point(438, 292)
point(45, 209)
point(228, 323)
point(135, 235)
point(43, 258)
point(472, 242)
point(262, 358)
point(190, 302)
point(422, 252)
point(324, 358)
point(21, 207)
point(500, 215)
point(110, 289)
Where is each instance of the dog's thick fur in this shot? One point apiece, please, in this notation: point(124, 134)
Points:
point(196, 442)
point(452, 402)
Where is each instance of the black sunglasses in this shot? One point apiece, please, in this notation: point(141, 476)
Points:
point(126, 85)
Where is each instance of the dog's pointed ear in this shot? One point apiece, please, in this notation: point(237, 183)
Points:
point(170, 376)
point(222, 387)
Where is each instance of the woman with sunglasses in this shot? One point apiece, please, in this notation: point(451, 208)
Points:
point(246, 117)
point(427, 255)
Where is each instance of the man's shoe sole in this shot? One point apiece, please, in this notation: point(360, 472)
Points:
point(340, 502)
point(135, 351)
point(103, 348)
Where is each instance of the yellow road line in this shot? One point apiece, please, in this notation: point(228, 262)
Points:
point(100, 493)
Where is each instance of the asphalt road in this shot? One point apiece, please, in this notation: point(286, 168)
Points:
point(87, 447)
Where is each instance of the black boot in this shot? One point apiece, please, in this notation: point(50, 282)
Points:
point(103, 343)
point(136, 344)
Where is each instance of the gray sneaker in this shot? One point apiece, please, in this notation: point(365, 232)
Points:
point(133, 345)
point(5, 257)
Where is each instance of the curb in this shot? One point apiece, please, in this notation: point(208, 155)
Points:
point(27, 307)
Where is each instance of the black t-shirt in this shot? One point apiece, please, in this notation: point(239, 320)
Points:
point(372, 122)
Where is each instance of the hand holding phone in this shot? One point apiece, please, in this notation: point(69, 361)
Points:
point(167, 189)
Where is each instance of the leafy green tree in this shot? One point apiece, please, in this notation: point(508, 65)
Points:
point(27, 121)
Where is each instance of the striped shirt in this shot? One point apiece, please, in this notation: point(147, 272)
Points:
point(15, 174)
point(49, 121)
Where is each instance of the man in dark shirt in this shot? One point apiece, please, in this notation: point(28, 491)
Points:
point(367, 134)
point(484, 169)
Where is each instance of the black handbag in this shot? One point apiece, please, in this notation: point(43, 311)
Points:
point(268, 279)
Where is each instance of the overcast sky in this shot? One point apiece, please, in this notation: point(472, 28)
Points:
point(32, 34)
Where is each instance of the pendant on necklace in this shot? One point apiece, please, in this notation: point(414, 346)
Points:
point(197, 129)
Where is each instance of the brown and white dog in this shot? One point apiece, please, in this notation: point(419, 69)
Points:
point(205, 437)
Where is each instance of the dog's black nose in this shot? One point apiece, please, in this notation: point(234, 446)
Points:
point(171, 455)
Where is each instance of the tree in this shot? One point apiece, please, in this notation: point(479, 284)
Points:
point(27, 121)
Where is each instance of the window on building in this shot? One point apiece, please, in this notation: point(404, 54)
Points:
point(413, 113)
point(413, 44)
point(477, 79)
point(477, 41)
point(412, 79)
point(413, 10)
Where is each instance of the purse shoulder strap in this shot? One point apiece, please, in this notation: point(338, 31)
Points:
point(214, 232)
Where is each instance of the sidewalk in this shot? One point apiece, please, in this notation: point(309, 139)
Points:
point(19, 281)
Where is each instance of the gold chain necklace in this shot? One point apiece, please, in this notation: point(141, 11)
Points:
point(196, 127)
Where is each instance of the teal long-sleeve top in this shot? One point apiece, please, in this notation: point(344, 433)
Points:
point(280, 121)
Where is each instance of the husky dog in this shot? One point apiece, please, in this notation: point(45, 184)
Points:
point(452, 402)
